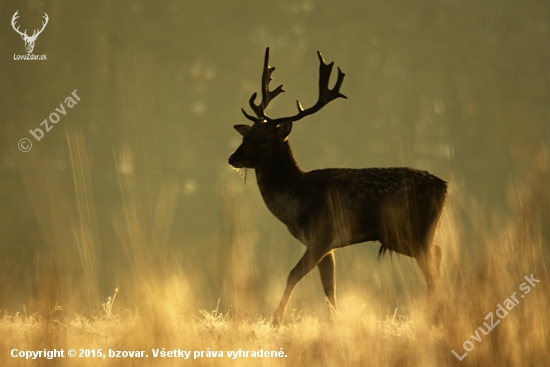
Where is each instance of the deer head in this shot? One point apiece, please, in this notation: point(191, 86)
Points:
point(29, 40)
point(264, 140)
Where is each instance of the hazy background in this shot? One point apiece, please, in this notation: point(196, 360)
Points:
point(133, 183)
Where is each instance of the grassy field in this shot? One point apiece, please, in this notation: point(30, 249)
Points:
point(475, 314)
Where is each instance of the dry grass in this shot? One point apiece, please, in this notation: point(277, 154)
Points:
point(477, 277)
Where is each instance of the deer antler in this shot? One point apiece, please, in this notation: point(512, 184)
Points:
point(267, 95)
point(326, 95)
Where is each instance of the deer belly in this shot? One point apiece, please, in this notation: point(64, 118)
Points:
point(347, 238)
point(348, 229)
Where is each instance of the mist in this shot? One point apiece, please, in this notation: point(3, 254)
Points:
point(127, 185)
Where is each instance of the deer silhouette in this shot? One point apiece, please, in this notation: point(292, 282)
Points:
point(326, 209)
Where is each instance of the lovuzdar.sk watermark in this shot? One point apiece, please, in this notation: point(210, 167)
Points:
point(501, 312)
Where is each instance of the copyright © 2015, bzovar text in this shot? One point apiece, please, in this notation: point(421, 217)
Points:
point(155, 353)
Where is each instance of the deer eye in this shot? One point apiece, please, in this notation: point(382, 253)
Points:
point(263, 141)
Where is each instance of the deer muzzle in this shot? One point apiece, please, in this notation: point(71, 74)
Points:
point(236, 162)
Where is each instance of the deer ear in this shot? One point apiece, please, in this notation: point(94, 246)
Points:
point(242, 129)
point(284, 129)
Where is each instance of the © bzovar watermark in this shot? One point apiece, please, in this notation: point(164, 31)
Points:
point(25, 144)
point(501, 312)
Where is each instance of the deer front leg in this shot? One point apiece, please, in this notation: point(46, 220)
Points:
point(309, 260)
point(327, 268)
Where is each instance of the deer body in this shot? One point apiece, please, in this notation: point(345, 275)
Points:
point(331, 208)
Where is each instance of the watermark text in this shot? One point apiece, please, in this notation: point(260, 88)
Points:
point(501, 312)
point(25, 144)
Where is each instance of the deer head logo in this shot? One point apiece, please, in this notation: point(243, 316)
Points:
point(29, 40)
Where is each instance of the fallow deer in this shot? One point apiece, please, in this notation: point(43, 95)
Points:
point(326, 209)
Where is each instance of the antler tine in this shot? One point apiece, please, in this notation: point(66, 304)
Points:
point(258, 110)
point(251, 118)
point(326, 94)
point(267, 95)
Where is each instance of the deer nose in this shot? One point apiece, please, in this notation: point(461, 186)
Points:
point(233, 161)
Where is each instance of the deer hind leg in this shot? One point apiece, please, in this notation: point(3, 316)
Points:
point(327, 268)
point(437, 259)
point(429, 262)
point(309, 260)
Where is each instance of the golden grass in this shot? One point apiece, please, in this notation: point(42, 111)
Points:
point(485, 262)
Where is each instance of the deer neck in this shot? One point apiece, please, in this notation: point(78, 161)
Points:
point(280, 179)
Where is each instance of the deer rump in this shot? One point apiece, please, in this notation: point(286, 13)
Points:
point(400, 207)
